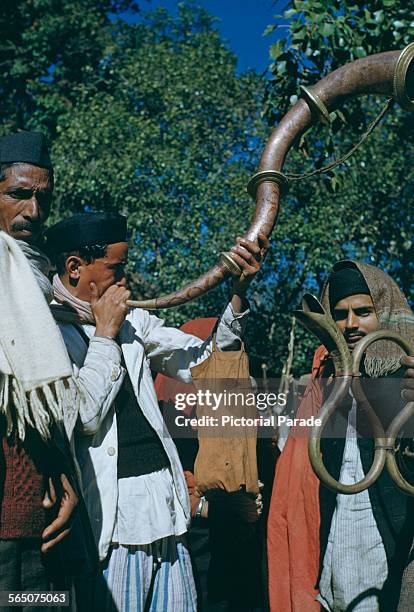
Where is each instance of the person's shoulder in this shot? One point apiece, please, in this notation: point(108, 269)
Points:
point(136, 317)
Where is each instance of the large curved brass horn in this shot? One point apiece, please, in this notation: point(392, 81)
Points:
point(347, 373)
point(390, 74)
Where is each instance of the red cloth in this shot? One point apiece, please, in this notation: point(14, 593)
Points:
point(22, 514)
point(164, 387)
point(293, 524)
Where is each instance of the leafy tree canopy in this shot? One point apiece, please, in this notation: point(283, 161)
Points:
point(321, 35)
point(151, 119)
point(46, 47)
point(167, 133)
point(362, 210)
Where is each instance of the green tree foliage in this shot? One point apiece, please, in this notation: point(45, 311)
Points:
point(150, 119)
point(167, 133)
point(46, 47)
point(321, 35)
point(363, 209)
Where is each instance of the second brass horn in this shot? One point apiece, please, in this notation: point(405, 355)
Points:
point(347, 376)
point(388, 74)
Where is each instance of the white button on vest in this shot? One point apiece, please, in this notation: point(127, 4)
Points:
point(111, 451)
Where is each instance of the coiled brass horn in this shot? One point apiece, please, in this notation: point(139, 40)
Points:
point(347, 375)
point(390, 74)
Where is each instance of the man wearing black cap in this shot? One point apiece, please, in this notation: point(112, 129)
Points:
point(134, 485)
point(32, 487)
point(26, 185)
point(361, 567)
point(363, 539)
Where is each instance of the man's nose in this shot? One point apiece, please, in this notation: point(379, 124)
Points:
point(351, 320)
point(32, 210)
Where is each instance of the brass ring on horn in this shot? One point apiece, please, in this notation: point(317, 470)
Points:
point(228, 261)
point(316, 106)
point(273, 176)
point(400, 78)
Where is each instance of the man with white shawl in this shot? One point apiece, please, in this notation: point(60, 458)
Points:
point(38, 397)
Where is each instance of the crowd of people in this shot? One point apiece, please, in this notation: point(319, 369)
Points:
point(97, 500)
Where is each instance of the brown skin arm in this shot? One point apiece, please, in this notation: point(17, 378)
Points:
point(60, 527)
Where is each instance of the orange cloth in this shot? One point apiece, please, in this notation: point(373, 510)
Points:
point(226, 457)
point(165, 389)
point(293, 524)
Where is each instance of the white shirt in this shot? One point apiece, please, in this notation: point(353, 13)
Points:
point(146, 343)
point(355, 561)
point(148, 509)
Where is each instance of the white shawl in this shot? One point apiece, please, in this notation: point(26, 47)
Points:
point(36, 382)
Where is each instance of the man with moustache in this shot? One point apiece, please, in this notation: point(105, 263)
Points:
point(345, 552)
point(37, 481)
point(133, 481)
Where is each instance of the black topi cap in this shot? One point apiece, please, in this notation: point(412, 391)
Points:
point(86, 229)
point(25, 147)
point(346, 281)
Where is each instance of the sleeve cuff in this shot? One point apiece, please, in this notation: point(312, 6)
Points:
point(236, 322)
point(239, 315)
point(106, 347)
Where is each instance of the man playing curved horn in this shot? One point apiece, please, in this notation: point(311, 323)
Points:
point(346, 552)
point(134, 485)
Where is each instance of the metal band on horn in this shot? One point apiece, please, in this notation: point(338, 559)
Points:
point(389, 74)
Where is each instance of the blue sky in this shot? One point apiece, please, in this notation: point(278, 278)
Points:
point(242, 23)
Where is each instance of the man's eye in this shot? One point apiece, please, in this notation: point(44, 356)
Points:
point(20, 194)
point(363, 312)
point(339, 315)
point(14, 194)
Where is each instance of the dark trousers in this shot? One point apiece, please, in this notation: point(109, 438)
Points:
point(22, 568)
point(234, 574)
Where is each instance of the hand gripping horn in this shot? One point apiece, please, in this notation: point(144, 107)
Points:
point(347, 375)
point(390, 74)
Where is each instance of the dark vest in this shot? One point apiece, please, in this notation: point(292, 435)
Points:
point(140, 451)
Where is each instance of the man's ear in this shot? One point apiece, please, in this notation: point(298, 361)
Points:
point(73, 265)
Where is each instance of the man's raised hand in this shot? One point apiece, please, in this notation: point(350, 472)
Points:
point(109, 309)
point(249, 255)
